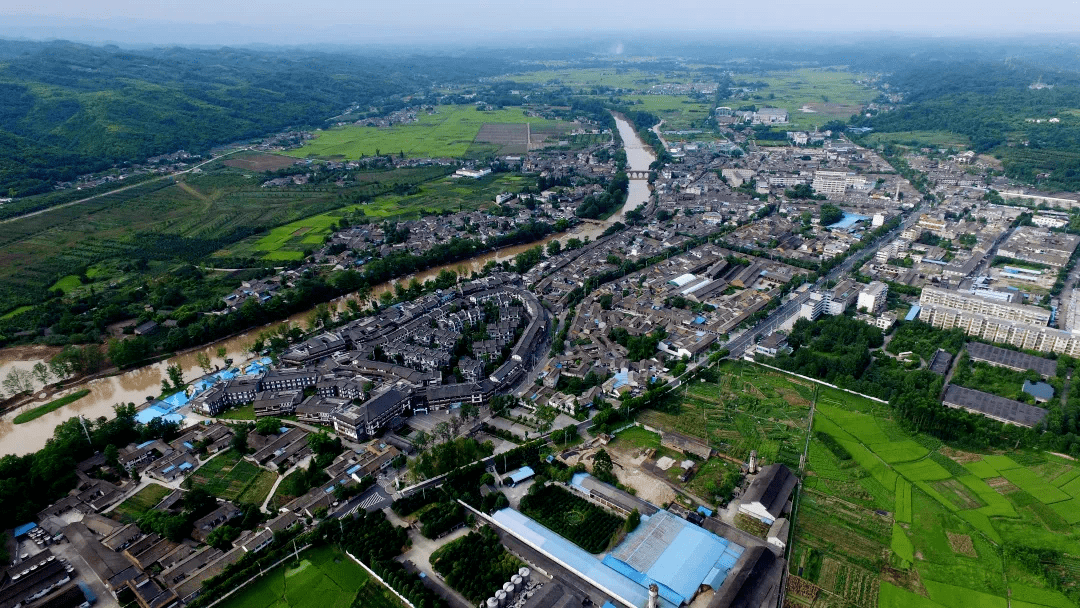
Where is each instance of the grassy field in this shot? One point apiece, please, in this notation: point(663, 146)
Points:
point(449, 132)
point(288, 242)
point(744, 407)
point(927, 523)
point(51, 406)
point(143, 500)
point(324, 578)
point(623, 77)
point(165, 222)
point(920, 139)
point(229, 476)
point(678, 111)
point(827, 94)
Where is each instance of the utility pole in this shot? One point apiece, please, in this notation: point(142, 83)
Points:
point(82, 421)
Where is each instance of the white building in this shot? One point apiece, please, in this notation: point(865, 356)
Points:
point(872, 297)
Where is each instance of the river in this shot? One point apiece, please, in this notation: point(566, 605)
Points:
point(136, 385)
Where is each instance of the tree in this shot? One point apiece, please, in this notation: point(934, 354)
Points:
point(554, 247)
point(455, 425)
point(830, 214)
point(603, 467)
point(41, 372)
point(203, 361)
point(443, 430)
point(222, 352)
point(59, 367)
point(633, 520)
point(268, 426)
point(18, 381)
point(469, 410)
point(421, 440)
point(112, 455)
point(176, 376)
point(239, 441)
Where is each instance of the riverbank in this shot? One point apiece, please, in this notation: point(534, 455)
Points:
point(135, 385)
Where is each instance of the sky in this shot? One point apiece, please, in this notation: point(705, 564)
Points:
point(505, 22)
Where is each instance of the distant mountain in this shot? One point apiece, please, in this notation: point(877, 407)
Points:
point(69, 109)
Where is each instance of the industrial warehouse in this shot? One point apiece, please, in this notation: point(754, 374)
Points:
point(667, 562)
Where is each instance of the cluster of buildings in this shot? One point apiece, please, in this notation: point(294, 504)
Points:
point(362, 377)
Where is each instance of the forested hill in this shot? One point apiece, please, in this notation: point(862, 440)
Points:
point(993, 107)
point(70, 109)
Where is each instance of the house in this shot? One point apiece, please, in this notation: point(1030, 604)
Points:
point(768, 494)
point(146, 328)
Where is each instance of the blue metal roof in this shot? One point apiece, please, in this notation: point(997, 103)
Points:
point(704, 511)
point(23, 529)
point(522, 474)
point(914, 312)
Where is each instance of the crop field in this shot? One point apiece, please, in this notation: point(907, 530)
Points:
point(145, 499)
point(289, 241)
point(167, 221)
point(679, 112)
point(811, 96)
point(618, 77)
point(933, 520)
point(742, 407)
point(920, 139)
point(260, 162)
point(448, 132)
point(325, 578)
point(229, 476)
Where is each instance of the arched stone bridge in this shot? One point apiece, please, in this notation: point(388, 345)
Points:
point(637, 174)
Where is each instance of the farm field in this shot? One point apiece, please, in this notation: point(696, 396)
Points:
point(828, 94)
point(741, 407)
point(616, 77)
point(255, 161)
point(289, 241)
point(324, 578)
point(920, 139)
point(680, 112)
point(928, 523)
point(449, 132)
point(166, 222)
point(229, 476)
point(145, 499)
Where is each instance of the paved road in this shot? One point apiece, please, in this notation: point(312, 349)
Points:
point(769, 324)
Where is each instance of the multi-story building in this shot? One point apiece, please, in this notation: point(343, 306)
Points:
point(841, 297)
point(872, 297)
point(812, 307)
point(965, 302)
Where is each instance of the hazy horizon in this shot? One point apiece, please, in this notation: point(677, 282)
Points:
point(427, 23)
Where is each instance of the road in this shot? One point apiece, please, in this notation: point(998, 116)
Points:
point(777, 317)
point(121, 189)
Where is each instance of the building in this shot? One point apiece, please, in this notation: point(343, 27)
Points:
point(768, 494)
point(992, 406)
point(772, 345)
point(665, 563)
point(965, 302)
point(1011, 359)
point(841, 297)
point(610, 496)
point(812, 306)
point(370, 418)
point(835, 182)
point(872, 298)
point(1041, 391)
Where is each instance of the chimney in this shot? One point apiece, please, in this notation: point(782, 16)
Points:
point(752, 466)
point(654, 596)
